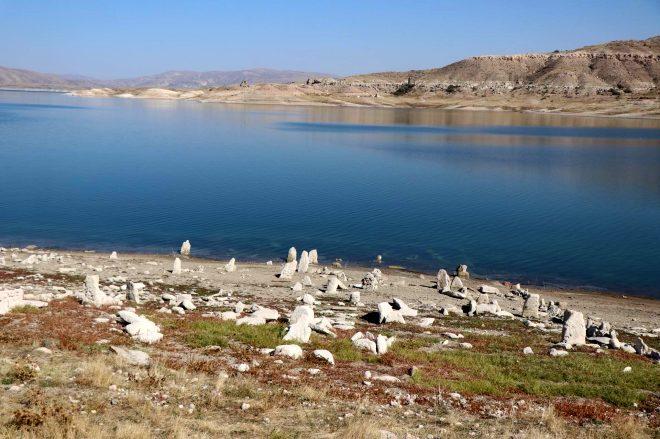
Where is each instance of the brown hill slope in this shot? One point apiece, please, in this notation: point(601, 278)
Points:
point(620, 65)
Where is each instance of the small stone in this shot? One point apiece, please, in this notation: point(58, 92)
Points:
point(528, 351)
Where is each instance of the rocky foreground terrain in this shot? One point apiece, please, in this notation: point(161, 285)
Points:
point(616, 78)
point(139, 346)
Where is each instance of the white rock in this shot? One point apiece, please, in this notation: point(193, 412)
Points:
point(325, 355)
point(113, 255)
point(456, 283)
point(188, 305)
point(93, 295)
point(289, 350)
point(288, 270)
point(558, 353)
point(251, 321)
point(381, 344)
point(487, 289)
point(333, 284)
point(365, 343)
point(354, 298)
point(292, 256)
point(242, 367)
point(528, 351)
point(403, 309)
point(176, 269)
point(388, 315)
point(231, 266)
point(185, 248)
point(531, 306)
point(426, 322)
point(313, 257)
point(299, 331)
point(308, 299)
point(297, 287)
point(228, 315)
point(266, 313)
point(303, 264)
point(132, 356)
point(574, 330)
point(444, 283)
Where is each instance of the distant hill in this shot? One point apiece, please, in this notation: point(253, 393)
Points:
point(176, 79)
point(187, 79)
point(29, 79)
point(633, 65)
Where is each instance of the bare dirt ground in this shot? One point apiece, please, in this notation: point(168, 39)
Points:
point(428, 384)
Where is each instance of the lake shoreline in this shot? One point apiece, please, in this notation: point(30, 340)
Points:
point(624, 310)
point(502, 279)
point(585, 107)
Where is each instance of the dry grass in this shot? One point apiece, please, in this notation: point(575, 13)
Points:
point(95, 373)
point(360, 428)
point(131, 430)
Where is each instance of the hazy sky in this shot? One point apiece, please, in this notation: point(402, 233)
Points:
point(117, 38)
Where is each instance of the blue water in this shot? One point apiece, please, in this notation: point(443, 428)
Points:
point(545, 199)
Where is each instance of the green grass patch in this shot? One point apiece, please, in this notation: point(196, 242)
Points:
point(218, 333)
point(342, 349)
point(578, 374)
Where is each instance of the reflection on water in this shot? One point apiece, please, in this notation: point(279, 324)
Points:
point(530, 197)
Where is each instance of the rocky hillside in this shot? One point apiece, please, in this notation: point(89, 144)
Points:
point(614, 67)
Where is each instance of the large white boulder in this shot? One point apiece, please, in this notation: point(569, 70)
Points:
point(176, 268)
point(574, 330)
point(325, 355)
point(299, 331)
point(303, 264)
point(313, 257)
point(289, 350)
point(288, 270)
point(93, 294)
point(444, 283)
point(404, 310)
point(292, 255)
point(231, 266)
point(386, 314)
point(333, 285)
point(531, 306)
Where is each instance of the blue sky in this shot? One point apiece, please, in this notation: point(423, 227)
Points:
point(114, 39)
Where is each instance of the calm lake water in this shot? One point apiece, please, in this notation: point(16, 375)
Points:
point(545, 199)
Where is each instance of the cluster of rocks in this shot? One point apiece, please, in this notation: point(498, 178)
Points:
point(292, 265)
point(138, 327)
point(376, 344)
